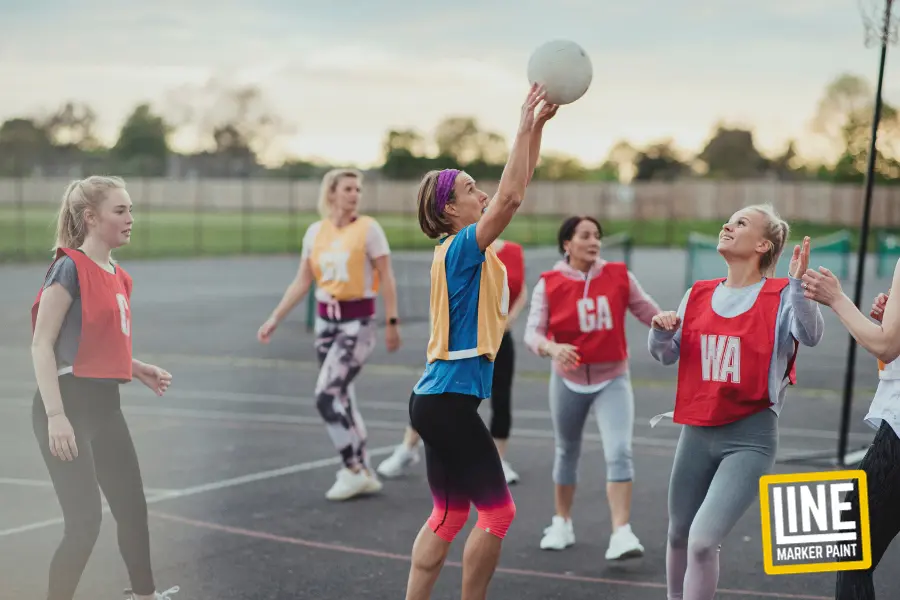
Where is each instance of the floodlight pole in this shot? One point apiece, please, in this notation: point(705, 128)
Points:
point(863, 241)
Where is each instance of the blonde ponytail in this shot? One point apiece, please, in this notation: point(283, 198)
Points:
point(777, 232)
point(81, 195)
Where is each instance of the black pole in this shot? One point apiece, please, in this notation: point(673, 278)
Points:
point(863, 241)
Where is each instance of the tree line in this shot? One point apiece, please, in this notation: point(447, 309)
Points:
point(236, 133)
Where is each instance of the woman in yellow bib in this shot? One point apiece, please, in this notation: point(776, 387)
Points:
point(469, 308)
point(348, 255)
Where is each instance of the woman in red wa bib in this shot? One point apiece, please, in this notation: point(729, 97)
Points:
point(81, 350)
point(735, 339)
point(577, 318)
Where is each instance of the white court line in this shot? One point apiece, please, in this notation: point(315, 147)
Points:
point(854, 457)
point(213, 486)
point(399, 406)
point(279, 418)
point(46, 483)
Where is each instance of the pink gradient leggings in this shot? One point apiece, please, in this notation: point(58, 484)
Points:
point(463, 465)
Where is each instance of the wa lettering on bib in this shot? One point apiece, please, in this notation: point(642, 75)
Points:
point(590, 319)
point(723, 369)
point(720, 357)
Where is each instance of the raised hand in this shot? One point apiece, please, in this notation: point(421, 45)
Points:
point(878, 305)
point(547, 112)
point(535, 95)
point(800, 259)
point(822, 286)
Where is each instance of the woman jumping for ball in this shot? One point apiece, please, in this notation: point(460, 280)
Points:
point(81, 349)
point(882, 461)
point(513, 258)
point(735, 339)
point(469, 307)
point(577, 319)
point(347, 255)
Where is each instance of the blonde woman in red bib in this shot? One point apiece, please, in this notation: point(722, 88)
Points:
point(735, 339)
point(348, 256)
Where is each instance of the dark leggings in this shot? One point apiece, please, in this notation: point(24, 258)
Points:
point(106, 456)
point(501, 389)
point(882, 466)
point(462, 464)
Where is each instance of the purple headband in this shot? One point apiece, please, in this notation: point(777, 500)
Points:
point(445, 181)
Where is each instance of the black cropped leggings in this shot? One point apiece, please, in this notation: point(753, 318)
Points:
point(106, 457)
point(501, 389)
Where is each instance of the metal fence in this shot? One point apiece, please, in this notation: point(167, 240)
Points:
point(269, 215)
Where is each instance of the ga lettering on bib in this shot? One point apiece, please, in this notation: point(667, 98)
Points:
point(592, 319)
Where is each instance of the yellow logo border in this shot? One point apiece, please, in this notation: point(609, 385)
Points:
point(865, 541)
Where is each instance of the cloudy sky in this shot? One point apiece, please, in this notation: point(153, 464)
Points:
point(343, 72)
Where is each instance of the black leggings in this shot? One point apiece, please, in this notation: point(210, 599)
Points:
point(106, 456)
point(882, 466)
point(462, 464)
point(501, 389)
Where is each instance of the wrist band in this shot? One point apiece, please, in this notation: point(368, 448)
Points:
point(55, 413)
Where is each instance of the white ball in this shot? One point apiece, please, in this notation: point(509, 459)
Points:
point(564, 68)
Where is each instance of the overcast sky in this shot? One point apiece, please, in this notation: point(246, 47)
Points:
point(345, 72)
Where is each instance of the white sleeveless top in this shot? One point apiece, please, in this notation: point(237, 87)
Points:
point(885, 405)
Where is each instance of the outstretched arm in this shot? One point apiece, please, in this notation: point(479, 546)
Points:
point(511, 189)
point(537, 133)
point(640, 303)
point(881, 340)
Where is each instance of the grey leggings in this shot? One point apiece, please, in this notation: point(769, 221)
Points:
point(714, 481)
point(614, 409)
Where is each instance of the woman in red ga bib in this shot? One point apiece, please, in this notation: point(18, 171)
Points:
point(735, 340)
point(577, 318)
point(81, 349)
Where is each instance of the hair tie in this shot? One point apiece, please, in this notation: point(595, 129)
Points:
point(445, 181)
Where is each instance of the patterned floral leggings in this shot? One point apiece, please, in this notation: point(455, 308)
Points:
point(342, 349)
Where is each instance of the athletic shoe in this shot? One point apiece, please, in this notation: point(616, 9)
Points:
point(511, 476)
point(398, 462)
point(129, 595)
point(624, 544)
point(559, 535)
point(349, 484)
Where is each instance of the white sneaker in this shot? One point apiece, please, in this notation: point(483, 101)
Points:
point(559, 535)
point(129, 595)
point(511, 476)
point(349, 484)
point(624, 544)
point(395, 464)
